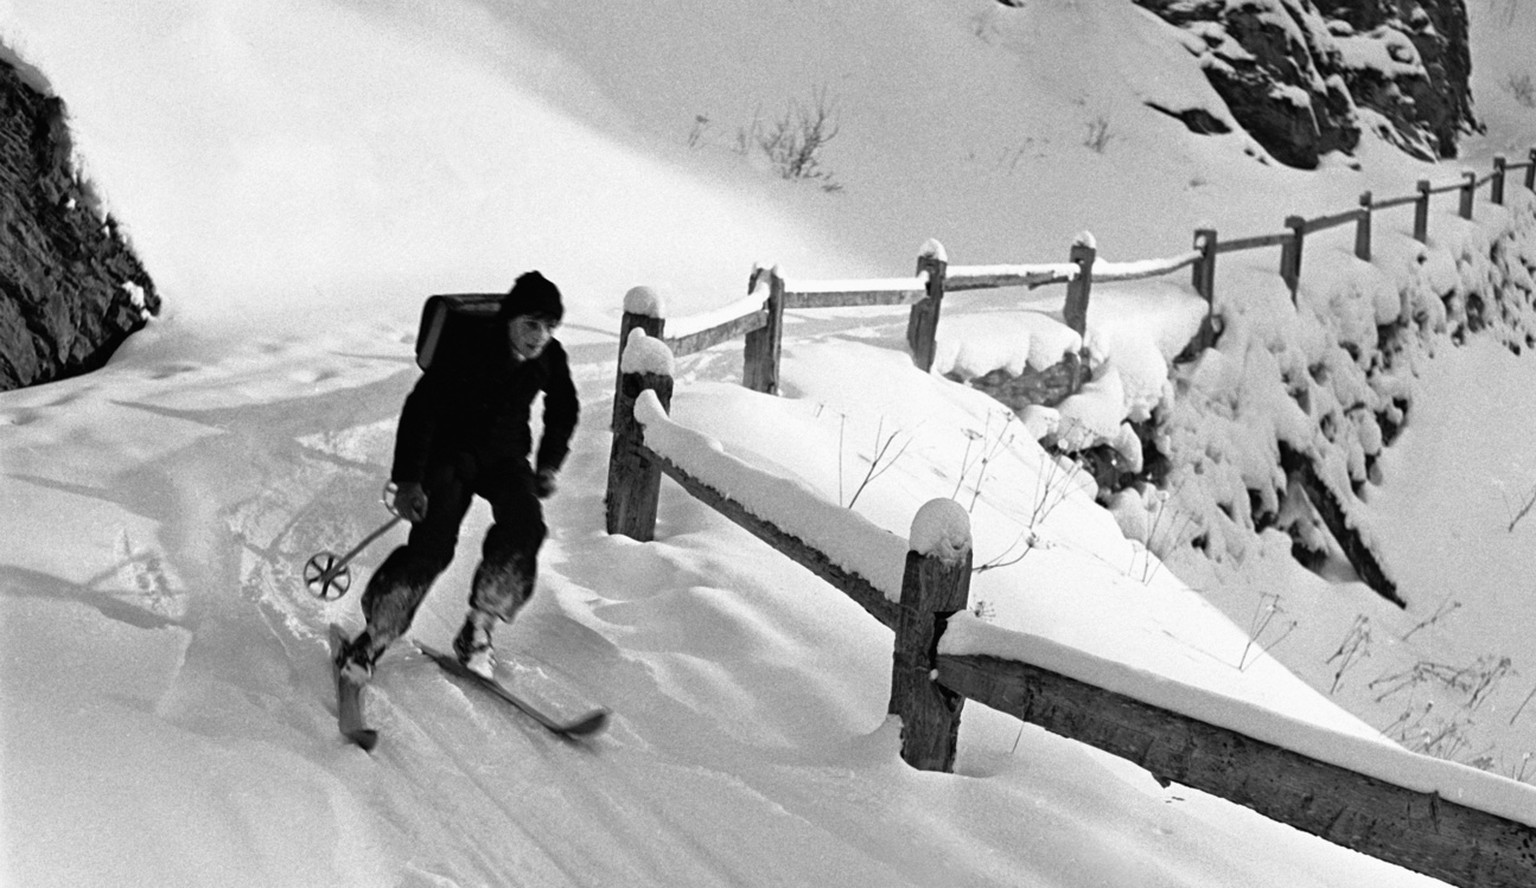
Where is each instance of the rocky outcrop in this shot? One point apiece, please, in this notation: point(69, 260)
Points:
point(71, 288)
point(1304, 77)
point(1410, 62)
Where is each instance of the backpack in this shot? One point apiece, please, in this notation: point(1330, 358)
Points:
point(460, 330)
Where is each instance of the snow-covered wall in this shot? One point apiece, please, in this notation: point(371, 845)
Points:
point(1331, 377)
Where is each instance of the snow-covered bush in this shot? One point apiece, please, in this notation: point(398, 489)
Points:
point(1329, 381)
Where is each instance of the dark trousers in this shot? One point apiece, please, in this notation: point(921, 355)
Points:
point(508, 558)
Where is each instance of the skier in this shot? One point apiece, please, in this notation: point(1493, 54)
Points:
point(465, 431)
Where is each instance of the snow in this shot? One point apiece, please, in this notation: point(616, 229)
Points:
point(975, 344)
point(941, 528)
point(850, 542)
point(1060, 271)
point(298, 176)
point(644, 301)
point(1141, 268)
point(643, 354)
point(705, 320)
point(1385, 49)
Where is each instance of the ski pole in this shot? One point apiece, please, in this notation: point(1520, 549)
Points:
point(327, 575)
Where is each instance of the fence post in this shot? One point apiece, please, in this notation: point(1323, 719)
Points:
point(1204, 282)
point(1468, 191)
point(1530, 171)
point(1290, 255)
point(1075, 312)
point(1363, 229)
point(642, 310)
point(760, 360)
point(634, 480)
point(935, 585)
point(923, 322)
point(1500, 169)
point(1421, 213)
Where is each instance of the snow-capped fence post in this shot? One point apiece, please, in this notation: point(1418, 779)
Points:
point(935, 586)
point(1290, 254)
point(1500, 169)
point(634, 479)
point(1530, 171)
point(760, 361)
point(1204, 283)
point(1075, 312)
point(923, 322)
point(1468, 192)
point(642, 310)
point(1421, 213)
point(1363, 229)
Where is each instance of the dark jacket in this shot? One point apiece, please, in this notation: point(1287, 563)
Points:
point(481, 411)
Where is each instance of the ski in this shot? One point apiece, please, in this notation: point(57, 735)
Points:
point(589, 723)
point(349, 704)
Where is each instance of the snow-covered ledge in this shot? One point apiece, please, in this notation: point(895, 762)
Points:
point(850, 541)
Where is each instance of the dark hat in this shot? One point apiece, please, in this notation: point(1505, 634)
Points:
point(533, 294)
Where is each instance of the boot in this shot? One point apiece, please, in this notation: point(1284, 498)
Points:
point(355, 659)
point(473, 644)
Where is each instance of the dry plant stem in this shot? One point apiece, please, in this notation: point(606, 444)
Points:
point(989, 450)
point(1051, 488)
point(965, 464)
point(987, 456)
point(1476, 681)
point(842, 425)
point(794, 142)
point(1530, 501)
point(1025, 537)
point(1355, 646)
point(1521, 707)
point(880, 464)
point(1258, 625)
point(1171, 534)
point(1446, 607)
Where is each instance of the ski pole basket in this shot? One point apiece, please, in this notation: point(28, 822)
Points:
point(327, 575)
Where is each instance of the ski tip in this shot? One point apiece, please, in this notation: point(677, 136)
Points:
point(365, 738)
point(591, 723)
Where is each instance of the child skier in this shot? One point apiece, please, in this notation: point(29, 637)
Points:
point(464, 432)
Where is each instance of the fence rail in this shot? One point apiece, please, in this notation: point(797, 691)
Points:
point(1323, 223)
point(1420, 831)
point(850, 294)
point(709, 337)
point(987, 277)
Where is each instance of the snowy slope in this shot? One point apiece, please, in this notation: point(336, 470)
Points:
point(167, 718)
point(299, 175)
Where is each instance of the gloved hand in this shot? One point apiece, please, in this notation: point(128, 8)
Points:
point(410, 501)
point(544, 485)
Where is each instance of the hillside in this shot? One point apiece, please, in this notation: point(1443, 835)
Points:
point(166, 700)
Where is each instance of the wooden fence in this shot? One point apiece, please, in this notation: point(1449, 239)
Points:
point(1460, 843)
point(1457, 842)
point(760, 318)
